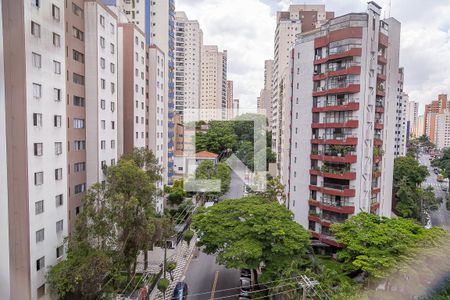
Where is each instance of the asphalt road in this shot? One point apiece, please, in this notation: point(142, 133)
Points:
point(440, 217)
point(205, 278)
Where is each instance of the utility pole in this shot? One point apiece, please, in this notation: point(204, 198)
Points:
point(306, 284)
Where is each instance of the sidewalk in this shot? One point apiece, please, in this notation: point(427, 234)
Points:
point(182, 259)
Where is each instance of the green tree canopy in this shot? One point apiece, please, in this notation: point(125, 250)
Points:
point(409, 168)
point(221, 171)
point(251, 232)
point(377, 245)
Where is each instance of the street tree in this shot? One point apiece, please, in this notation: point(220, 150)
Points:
point(251, 233)
point(377, 245)
point(409, 168)
point(207, 170)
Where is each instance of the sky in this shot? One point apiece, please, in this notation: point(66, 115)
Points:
point(246, 29)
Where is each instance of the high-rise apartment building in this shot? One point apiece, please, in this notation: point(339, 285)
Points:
point(188, 46)
point(157, 107)
point(431, 111)
point(230, 94)
point(131, 90)
point(235, 108)
point(298, 18)
point(412, 115)
point(443, 130)
point(101, 43)
point(345, 81)
point(33, 122)
point(401, 136)
point(265, 96)
point(213, 91)
point(138, 12)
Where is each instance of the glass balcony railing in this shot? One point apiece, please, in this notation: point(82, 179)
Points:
point(336, 203)
point(339, 119)
point(339, 187)
point(336, 136)
point(343, 48)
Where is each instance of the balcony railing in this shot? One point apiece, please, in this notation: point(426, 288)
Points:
point(333, 67)
point(333, 153)
point(335, 136)
point(334, 203)
point(339, 119)
point(328, 103)
point(339, 187)
point(332, 219)
point(343, 48)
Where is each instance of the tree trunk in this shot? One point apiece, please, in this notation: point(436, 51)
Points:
point(145, 259)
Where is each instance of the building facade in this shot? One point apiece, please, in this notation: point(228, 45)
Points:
point(132, 117)
point(412, 115)
point(213, 91)
point(33, 122)
point(401, 128)
point(345, 80)
point(229, 105)
point(188, 45)
point(265, 96)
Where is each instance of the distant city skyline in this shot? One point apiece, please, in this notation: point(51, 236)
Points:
point(246, 29)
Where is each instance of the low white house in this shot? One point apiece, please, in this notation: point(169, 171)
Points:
point(186, 165)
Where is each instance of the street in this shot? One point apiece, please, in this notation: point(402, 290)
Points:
point(440, 217)
point(204, 276)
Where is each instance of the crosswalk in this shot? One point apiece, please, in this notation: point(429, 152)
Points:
point(434, 184)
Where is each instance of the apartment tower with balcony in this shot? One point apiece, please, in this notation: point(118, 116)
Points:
point(33, 153)
point(229, 105)
point(297, 19)
point(345, 80)
point(401, 134)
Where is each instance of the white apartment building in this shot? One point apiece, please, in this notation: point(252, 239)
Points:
point(131, 89)
point(188, 45)
point(101, 91)
point(443, 130)
point(401, 126)
point(33, 126)
point(298, 18)
point(345, 80)
point(213, 92)
point(412, 115)
point(420, 127)
point(137, 12)
point(156, 115)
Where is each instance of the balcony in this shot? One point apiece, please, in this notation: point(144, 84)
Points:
point(376, 190)
point(381, 77)
point(340, 88)
point(335, 139)
point(335, 189)
point(345, 105)
point(326, 239)
point(379, 124)
point(331, 122)
point(340, 52)
point(377, 141)
point(347, 69)
point(328, 219)
point(335, 173)
point(334, 156)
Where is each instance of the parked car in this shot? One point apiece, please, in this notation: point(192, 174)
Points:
point(246, 273)
point(443, 188)
point(436, 171)
point(246, 287)
point(180, 292)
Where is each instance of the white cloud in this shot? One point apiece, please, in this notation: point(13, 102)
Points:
point(246, 29)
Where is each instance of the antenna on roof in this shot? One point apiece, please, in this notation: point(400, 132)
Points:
point(390, 6)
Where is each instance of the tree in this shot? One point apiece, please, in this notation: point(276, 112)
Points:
point(176, 192)
point(208, 171)
point(188, 235)
point(171, 266)
point(377, 245)
point(275, 191)
point(146, 160)
point(220, 137)
point(117, 223)
point(162, 286)
point(443, 163)
point(411, 169)
point(250, 233)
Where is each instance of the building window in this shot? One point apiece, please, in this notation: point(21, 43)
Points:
point(35, 29)
point(112, 48)
point(57, 67)
point(58, 148)
point(78, 101)
point(57, 94)
point(40, 235)
point(78, 123)
point(37, 90)
point(104, 164)
point(79, 145)
point(58, 174)
point(56, 40)
point(37, 120)
point(57, 121)
point(113, 88)
point(103, 145)
point(113, 106)
point(78, 11)
point(59, 200)
point(36, 60)
point(113, 125)
point(102, 21)
point(55, 13)
point(78, 34)
point(38, 178)
point(80, 188)
point(112, 28)
point(40, 263)
point(79, 167)
point(36, 3)
point(78, 56)
point(39, 207)
point(103, 83)
point(102, 42)
point(103, 124)
point(113, 68)
point(78, 79)
point(59, 251)
point(113, 144)
point(38, 149)
point(59, 226)
point(113, 162)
